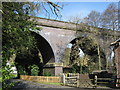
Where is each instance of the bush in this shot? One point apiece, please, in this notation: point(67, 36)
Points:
point(47, 74)
point(34, 70)
point(6, 75)
point(21, 70)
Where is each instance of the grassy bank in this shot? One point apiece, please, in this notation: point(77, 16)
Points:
point(0, 79)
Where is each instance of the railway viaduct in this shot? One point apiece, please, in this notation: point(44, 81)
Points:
point(54, 36)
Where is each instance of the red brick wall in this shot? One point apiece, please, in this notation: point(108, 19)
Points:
point(117, 56)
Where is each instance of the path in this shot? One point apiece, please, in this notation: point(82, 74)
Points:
point(29, 85)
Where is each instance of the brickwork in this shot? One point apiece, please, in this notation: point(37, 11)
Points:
point(59, 34)
point(58, 70)
point(117, 56)
point(116, 46)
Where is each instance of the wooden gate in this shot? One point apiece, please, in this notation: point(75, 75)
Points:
point(70, 79)
point(85, 81)
point(78, 80)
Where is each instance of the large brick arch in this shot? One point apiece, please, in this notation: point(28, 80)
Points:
point(59, 33)
point(44, 48)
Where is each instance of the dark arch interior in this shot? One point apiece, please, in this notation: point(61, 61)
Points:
point(45, 48)
point(85, 44)
point(25, 60)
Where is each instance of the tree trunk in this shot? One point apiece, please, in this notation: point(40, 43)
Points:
point(18, 72)
point(28, 70)
point(40, 73)
point(99, 59)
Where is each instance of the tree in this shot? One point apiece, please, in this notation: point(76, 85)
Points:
point(16, 25)
point(109, 20)
point(17, 37)
point(76, 20)
point(93, 19)
point(110, 17)
point(16, 34)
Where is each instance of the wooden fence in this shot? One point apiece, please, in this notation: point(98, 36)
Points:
point(84, 80)
point(77, 80)
point(51, 79)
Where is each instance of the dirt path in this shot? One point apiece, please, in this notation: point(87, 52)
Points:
point(27, 85)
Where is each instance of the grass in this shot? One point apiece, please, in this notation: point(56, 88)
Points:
point(58, 84)
point(0, 79)
point(14, 75)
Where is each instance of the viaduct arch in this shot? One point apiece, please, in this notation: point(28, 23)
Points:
point(56, 35)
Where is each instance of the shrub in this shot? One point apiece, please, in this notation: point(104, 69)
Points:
point(47, 74)
point(34, 70)
point(6, 75)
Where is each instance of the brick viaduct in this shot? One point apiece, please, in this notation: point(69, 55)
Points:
point(56, 35)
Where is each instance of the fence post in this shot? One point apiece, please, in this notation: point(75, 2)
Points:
point(47, 79)
point(78, 80)
point(63, 78)
point(95, 81)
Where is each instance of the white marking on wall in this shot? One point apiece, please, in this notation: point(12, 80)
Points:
point(61, 35)
point(47, 33)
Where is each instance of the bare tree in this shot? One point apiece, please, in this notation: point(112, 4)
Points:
point(93, 19)
point(76, 20)
point(110, 17)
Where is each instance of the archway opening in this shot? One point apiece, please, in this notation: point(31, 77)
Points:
point(32, 62)
point(84, 55)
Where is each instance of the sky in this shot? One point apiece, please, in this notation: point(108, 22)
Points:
point(81, 9)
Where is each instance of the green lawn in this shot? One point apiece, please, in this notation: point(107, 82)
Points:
point(51, 83)
point(0, 79)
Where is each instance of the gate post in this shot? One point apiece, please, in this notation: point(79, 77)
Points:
point(95, 81)
point(63, 78)
point(78, 80)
